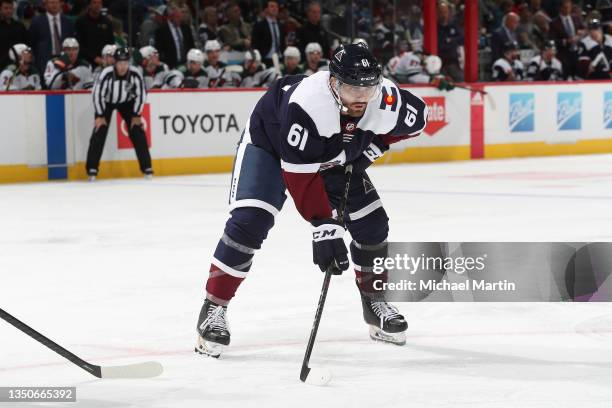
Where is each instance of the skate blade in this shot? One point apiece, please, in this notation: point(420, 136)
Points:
point(91, 178)
point(208, 348)
point(378, 334)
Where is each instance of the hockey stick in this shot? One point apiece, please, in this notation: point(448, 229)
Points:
point(321, 377)
point(140, 370)
point(467, 88)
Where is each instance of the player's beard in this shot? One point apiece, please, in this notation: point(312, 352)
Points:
point(357, 109)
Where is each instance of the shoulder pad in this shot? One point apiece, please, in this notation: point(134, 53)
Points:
point(502, 63)
point(313, 95)
point(535, 60)
point(380, 117)
point(588, 42)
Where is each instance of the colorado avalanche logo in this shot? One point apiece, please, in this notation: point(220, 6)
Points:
point(340, 54)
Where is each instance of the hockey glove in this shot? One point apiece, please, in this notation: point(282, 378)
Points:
point(328, 248)
point(373, 152)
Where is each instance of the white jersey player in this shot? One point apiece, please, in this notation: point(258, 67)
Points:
point(255, 73)
point(68, 71)
point(314, 59)
point(154, 71)
point(21, 75)
point(108, 59)
point(300, 135)
point(509, 67)
point(220, 75)
point(190, 75)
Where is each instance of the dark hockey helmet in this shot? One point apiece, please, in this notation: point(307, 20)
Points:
point(122, 54)
point(550, 45)
point(354, 64)
point(594, 24)
point(510, 46)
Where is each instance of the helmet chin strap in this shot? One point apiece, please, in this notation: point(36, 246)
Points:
point(335, 90)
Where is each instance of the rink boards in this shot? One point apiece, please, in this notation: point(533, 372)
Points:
point(189, 132)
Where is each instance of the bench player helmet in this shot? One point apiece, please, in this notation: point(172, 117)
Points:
point(357, 72)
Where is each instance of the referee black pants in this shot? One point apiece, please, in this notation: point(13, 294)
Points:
point(136, 133)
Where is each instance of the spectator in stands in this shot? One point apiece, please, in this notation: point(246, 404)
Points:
point(120, 37)
point(314, 59)
point(255, 74)
point(525, 27)
point(535, 6)
point(291, 62)
point(47, 31)
point(595, 53)
point(414, 32)
point(508, 67)
point(209, 28)
point(93, 31)
point(545, 67)
point(450, 38)
point(236, 34)
point(566, 30)
point(383, 37)
point(290, 26)
point(174, 38)
point(183, 5)
point(126, 11)
point(68, 71)
point(266, 34)
point(540, 31)
point(21, 75)
point(504, 35)
point(154, 72)
point(156, 18)
point(108, 59)
point(220, 75)
point(312, 31)
point(11, 32)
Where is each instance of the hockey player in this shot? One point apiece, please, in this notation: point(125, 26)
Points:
point(20, 76)
point(314, 60)
point(407, 68)
point(220, 75)
point(256, 74)
point(298, 138)
point(108, 59)
point(545, 67)
point(153, 71)
point(291, 62)
point(508, 67)
point(68, 71)
point(190, 75)
point(120, 87)
point(595, 53)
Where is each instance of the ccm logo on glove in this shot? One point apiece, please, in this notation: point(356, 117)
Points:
point(327, 231)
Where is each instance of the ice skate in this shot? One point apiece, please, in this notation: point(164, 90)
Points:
point(213, 330)
point(384, 320)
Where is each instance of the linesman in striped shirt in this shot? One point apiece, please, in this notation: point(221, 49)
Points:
point(121, 87)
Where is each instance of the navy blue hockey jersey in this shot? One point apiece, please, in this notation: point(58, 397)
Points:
point(298, 121)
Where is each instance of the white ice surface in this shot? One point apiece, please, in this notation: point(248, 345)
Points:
point(115, 270)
